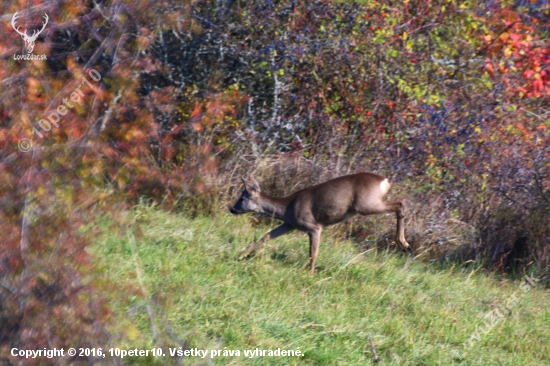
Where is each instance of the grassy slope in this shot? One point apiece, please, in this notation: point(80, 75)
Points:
point(416, 314)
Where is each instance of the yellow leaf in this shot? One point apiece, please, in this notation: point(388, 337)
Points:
point(132, 332)
point(404, 36)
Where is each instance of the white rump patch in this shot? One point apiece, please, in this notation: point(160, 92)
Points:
point(384, 186)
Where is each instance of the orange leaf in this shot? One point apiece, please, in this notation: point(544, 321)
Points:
point(196, 111)
point(197, 127)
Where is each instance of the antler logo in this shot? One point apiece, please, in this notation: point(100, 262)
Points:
point(29, 40)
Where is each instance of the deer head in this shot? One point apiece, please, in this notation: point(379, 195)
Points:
point(248, 200)
point(29, 40)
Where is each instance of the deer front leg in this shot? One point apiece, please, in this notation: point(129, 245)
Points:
point(281, 230)
point(314, 239)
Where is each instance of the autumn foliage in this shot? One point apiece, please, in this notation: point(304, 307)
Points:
point(448, 98)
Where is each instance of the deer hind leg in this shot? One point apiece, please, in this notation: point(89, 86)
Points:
point(281, 230)
point(391, 206)
point(314, 239)
point(400, 231)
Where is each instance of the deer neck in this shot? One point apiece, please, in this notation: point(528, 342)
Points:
point(273, 206)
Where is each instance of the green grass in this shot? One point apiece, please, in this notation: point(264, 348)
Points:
point(185, 285)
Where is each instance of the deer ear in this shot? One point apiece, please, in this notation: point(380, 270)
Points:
point(254, 185)
point(251, 185)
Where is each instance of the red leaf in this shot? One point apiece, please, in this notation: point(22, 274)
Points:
point(514, 37)
point(528, 74)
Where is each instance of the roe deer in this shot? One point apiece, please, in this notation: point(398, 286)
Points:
point(312, 208)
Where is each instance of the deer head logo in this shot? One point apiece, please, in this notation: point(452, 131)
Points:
point(29, 40)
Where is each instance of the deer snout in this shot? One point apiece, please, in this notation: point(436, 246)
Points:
point(233, 211)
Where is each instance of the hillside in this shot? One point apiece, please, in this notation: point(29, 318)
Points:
point(185, 288)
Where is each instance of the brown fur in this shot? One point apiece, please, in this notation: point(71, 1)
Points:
point(311, 209)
